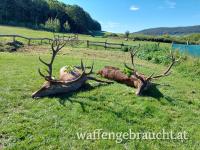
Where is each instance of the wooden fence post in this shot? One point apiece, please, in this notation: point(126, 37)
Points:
point(14, 38)
point(122, 45)
point(105, 46)
point(88, 44)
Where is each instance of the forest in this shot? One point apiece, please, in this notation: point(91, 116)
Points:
point(47, 14)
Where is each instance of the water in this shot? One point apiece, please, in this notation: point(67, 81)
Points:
point(193, 50)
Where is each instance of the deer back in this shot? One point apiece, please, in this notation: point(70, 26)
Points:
point(116, 74)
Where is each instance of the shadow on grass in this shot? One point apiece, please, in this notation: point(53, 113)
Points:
point(63, 98)
point(154, 92)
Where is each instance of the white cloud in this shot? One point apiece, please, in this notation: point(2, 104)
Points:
point(170, 4)
point(134, 8)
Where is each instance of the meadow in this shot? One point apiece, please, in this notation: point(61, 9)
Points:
point(53, 122)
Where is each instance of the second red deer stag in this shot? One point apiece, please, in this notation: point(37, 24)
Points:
point(137, 80)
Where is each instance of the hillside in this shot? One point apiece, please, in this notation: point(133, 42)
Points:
point(51, 15)
point(171, 30)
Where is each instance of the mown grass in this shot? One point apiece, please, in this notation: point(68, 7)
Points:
point(44, 34)
point(52, 123)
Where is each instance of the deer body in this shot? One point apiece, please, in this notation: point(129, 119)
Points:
point(116, 74)
point(63, 85)
point(71, 78)
point(136, 80)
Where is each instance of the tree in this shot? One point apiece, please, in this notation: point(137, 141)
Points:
point(66, 26)
point(80, 21)
point(33, 13)
point(53, 25)
point(127, 33)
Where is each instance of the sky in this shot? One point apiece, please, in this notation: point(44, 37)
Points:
point(133, 15)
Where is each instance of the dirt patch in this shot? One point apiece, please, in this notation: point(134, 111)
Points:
point(10, 46)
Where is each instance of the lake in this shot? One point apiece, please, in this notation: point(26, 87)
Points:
point(193, 50)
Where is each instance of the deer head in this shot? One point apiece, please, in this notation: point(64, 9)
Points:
point(144, 82)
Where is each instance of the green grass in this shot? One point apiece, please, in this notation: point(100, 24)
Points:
point(52, 123)
point(44, 34)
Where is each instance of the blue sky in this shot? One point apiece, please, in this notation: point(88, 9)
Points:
point(134, 15)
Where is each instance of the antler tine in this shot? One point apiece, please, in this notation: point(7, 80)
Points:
point(47, 71)
point(82, 66)
point(91, 70)
point(63, 45)
point(149, 78)
point(41, 74)
point(166, 72)
point(177, 60)
point(133, 53)
point(43, 62)
point(55, 47)
point(128, 67)
point(58, 44)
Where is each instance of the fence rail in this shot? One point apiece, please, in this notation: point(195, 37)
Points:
point(106, 44)
point(13, 36)
point(66, 38)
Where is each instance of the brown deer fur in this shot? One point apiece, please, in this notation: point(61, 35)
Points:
point(136, 80)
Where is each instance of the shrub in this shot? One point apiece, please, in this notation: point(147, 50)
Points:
point(154, 53)
point(112, 35)
point(125, 48)
point(53, 25)
point(66, 26)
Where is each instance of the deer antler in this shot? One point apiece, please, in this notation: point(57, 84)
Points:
point(56, 46)
point(133, 53)
point(167, 71)
point(83, 68)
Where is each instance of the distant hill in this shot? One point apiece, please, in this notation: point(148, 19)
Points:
point(171, 30)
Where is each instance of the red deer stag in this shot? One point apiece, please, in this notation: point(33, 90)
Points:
point(136, 80)
point(69, 81)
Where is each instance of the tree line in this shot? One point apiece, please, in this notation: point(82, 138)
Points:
point(47, 14)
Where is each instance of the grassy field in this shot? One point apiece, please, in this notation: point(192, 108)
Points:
point(52, 123)
point(44, 34)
